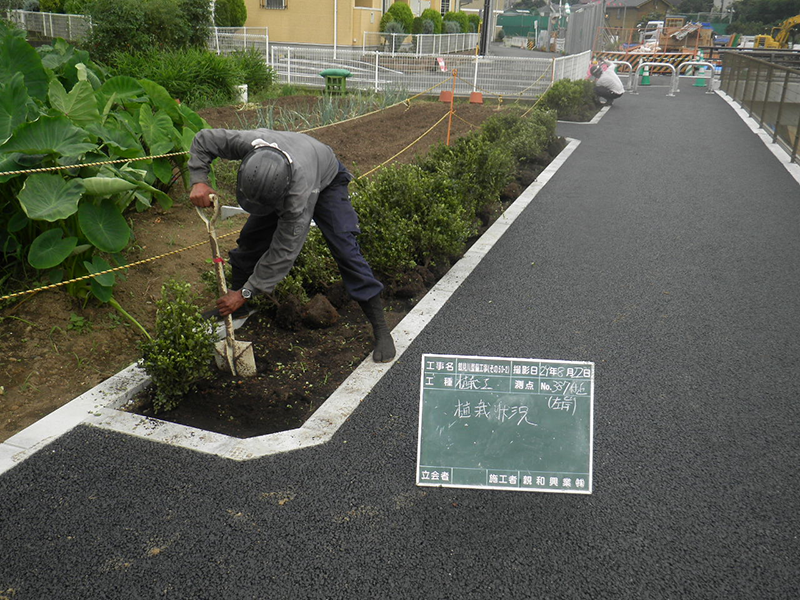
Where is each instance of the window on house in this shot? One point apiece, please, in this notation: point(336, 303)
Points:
point(445, 6)
point(269, 4)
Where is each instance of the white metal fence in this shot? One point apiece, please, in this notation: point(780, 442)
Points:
point(224, 40)
point(421, 43)
point(383, 71)
point(51, 25)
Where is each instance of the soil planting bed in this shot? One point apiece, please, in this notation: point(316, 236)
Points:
point(54, 347)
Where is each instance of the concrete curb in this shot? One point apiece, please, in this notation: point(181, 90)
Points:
point(100, 406)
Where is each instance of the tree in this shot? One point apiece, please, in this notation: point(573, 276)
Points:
point(399, 12)
point(230, 13)
point(435, 17)
point(766, 11)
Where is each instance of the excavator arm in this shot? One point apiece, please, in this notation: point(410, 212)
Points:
point(781, 33)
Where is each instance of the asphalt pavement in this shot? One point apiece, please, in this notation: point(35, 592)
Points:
point(665, 250)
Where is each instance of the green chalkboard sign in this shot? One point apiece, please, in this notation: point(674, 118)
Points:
point(506, 423)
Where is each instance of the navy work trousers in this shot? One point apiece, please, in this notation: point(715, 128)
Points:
point(338, 222)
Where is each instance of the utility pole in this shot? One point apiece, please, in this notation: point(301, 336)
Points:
point(486, 27)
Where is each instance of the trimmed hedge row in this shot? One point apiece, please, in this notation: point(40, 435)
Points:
point(423, 213)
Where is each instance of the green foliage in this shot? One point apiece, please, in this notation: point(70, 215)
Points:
point(451, 27)
point(51, 6)
point(423, 213)
point(435, 17)
point(123, 26)
point(474, 23)
point(58, 108)
point(77, 7)
point(459, 17)
point(179, 355)
point(399, 12)
point(230, 13)
point(313, 271)
point(478, 170)
point(196, 77)
point(255, 71)
point(572, 100)
point(527, 138)
point(409, 216)
point(771, 12)
point(197, 14)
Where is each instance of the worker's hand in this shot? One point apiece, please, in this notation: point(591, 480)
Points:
point(200, 195)
point(230, 303)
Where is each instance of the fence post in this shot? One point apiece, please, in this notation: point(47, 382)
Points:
point(780, 109)
point(755, 89)
point(796, 137)
point(377, 54)
point(288, 65)
point(766, 95)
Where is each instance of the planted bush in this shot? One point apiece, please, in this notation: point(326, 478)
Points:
point(527, 138)
point(423, 213)
point(434, 16)
point(478, 170)
point(572, 100)
point(120, 26)
point(230, 13)
point(179, 355)
point(399, 12)
point(410, 216)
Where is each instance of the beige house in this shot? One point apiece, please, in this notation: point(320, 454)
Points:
point(327, 22)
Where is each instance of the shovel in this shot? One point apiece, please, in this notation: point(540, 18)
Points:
point(237, 356)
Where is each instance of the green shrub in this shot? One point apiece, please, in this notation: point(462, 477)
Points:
point(478, 169)
point(573, 100)
point(77, 7)
point(51, 6)
point(230, 13)
point(313, 271)
point(197, 77)
point(451, 27)
point(179, 355)
point(410, 216)
point(255, 71)
point(474, 23)
point(197, 14)
point(435, 17)
point(120, 26)
point(399, 12)
point(527, 138)
point(459, 17)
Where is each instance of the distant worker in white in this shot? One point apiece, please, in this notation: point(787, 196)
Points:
point(607, 83)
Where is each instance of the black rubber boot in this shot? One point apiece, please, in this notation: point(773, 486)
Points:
point(384, 345)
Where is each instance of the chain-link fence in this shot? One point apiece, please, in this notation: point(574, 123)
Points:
point(421, 43)
point(770, 93)
point(51, 25)
point(383, 71)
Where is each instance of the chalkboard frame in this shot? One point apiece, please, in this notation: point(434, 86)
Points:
point(485, 464)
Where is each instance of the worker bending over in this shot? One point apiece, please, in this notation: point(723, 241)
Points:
point(284, 181)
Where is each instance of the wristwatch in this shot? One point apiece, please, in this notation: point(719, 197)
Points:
point(246, 294)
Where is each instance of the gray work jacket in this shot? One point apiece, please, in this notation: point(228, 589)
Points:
point(314, 166)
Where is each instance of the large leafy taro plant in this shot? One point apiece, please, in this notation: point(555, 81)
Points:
point(59, 109)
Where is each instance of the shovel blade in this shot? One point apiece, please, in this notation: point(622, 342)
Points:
point(240, 358)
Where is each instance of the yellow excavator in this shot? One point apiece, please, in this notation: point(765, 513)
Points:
point(780, 35)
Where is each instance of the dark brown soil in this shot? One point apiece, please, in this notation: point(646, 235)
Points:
point(53, 347)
